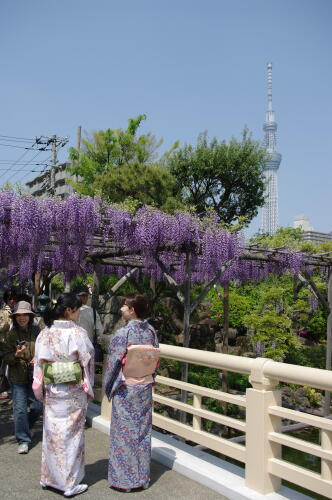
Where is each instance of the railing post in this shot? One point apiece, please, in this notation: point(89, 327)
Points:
point(197, 421)
point(258, 426)
point(326, 443)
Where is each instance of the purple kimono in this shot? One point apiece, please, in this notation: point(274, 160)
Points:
point(131, 423)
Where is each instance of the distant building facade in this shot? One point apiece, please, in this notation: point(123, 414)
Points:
point(302, 222)
point(309, 234)
point(316, 237)
point(41, 185)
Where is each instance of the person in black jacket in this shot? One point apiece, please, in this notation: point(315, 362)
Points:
point(20, 351)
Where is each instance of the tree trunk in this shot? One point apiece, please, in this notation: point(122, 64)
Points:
point(36, 289)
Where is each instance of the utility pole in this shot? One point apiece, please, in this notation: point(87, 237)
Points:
point(78, 146)
point(79, 133)
point(54, 161)
point(55, 142)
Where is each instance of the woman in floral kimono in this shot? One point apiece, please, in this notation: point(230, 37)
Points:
point(131, 423)
point(61, 349)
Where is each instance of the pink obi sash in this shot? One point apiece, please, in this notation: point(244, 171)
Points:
point(139, 364)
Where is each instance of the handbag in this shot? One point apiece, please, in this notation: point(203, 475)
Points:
point(4, 384)
point(99, 355)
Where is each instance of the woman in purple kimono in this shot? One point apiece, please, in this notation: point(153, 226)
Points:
point(131, 390)
point(63, 378)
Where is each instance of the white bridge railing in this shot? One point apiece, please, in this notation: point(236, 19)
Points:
point(264, 466)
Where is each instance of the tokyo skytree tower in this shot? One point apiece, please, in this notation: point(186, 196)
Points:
point(270, 209)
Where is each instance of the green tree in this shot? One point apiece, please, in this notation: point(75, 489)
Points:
point(289, 237)
point(225, 177)
point(147, 184)
point(240, 305)
point(284, 237)
point(272, 325)
point(119, 164)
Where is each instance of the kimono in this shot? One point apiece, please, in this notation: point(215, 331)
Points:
point(131, 422)
point(65, 405)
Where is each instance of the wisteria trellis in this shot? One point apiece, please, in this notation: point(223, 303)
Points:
point(38, 234)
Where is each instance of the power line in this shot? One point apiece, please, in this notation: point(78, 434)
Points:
point(16, 138)
point(14, 146)
point(42, 143)
point(21, 170)
point(43, 171)
point(27, 163)
point(7, 162)
point(15, 162)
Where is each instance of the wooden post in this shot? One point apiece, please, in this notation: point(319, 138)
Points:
point(224, 385)
point(96, 285)
point(186, 328)
point(197, 421)
point(226, 318)
point(327, 400)
point(259, 423)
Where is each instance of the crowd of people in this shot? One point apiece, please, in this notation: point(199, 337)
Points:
point(49, 362)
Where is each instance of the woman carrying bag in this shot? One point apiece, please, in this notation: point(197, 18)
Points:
point(131, 363)
point(63, 377)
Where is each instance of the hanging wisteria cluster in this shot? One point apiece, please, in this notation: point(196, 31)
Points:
point(38, 234)
point(45, 233)
point(155, 235)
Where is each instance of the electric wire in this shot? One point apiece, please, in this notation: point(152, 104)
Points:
point(14, 146)
point(27, 163)
point(9, 162)
point(13, 138)
point(39, 172)
point(15, 162)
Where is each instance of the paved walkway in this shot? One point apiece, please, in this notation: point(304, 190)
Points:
point(19, 474)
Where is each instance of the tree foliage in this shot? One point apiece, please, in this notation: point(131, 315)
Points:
point(240, 305)
point(147, 184)
point(118, 164)
point(291, 238)
point(271, 325)
point(227, 177)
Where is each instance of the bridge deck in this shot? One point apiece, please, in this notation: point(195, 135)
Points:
point(20, 473)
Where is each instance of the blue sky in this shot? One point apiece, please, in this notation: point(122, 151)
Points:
point(190, 65)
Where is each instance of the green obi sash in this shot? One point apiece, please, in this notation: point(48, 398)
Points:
point(62, 372)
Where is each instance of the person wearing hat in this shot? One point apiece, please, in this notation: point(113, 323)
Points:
point(20, 350)
point(89, 318)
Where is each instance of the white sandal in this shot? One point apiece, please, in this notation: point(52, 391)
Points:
point(76, 490)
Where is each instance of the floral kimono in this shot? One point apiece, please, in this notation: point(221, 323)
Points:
point(131, 423)
point(65, 405)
